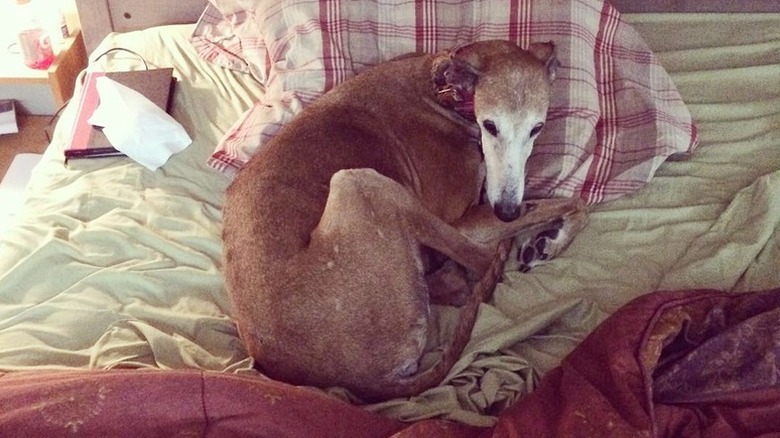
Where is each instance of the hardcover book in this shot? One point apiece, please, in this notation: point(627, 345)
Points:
point(87, 141)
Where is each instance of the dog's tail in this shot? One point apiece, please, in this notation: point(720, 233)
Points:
point(434, 375)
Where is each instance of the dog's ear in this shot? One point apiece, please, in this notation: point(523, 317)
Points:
point(458, 70)
point(545, 52)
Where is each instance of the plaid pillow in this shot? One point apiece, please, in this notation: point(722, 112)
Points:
point(614, 118)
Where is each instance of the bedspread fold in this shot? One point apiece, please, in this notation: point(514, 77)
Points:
point(697, 363)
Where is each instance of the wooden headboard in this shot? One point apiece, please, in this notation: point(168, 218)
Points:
point(696, 5)
point(100, 17)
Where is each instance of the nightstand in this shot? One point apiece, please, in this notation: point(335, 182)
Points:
point(42, 92)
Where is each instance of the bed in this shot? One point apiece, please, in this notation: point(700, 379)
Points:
point(660, 319)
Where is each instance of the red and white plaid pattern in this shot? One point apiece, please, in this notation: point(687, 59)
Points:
point(615, 114)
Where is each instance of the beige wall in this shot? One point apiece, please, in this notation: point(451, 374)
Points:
point(71, 16)
point(8, 26)
point(697, 5)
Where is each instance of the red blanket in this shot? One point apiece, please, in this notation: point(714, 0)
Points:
point(694, 363)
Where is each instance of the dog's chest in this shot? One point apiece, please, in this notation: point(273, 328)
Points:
point(452, 180)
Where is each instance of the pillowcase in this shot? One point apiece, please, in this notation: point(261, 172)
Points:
point(218, 38)
point(615, 114)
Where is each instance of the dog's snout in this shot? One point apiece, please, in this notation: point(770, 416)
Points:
point(507, 212)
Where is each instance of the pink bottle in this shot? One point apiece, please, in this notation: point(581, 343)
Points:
point(34, 41)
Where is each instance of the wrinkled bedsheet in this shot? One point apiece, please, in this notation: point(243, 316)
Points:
point(112, 265)
point(115, 267)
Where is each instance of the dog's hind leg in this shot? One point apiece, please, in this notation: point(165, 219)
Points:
point(392, 206)
point(370, 284)
point(377, 274)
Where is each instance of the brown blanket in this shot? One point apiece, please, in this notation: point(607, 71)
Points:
point(692, 363)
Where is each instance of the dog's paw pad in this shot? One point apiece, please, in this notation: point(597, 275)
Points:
point(540, 246)
point(551, 234)
point(527, 255)
point(546, 242)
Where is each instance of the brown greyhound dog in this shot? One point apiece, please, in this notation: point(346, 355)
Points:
point(326, 230)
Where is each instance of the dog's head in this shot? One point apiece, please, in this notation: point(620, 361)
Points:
point(510, 88)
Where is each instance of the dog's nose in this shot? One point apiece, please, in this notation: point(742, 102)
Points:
point(507, 212)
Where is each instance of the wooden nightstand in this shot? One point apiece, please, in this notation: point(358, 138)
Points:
point(42, 92)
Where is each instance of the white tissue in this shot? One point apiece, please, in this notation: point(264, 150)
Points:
point(136, 126)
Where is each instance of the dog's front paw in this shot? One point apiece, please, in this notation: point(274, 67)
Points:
point(543, 242)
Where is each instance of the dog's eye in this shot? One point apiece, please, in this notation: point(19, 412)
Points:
point(490, 127)
point(536, 129)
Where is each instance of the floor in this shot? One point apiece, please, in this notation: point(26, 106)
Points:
point(31, 138)
point(25, 146)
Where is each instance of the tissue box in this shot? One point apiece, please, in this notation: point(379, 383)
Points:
point(8, 117)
